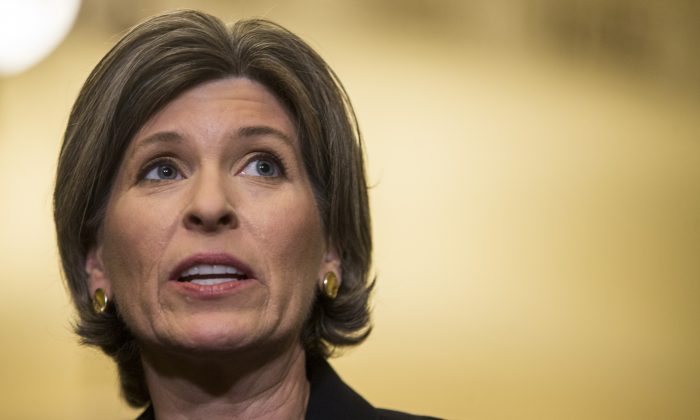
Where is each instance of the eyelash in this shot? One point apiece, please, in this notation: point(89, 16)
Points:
point(277, 160)
point(154, 164)
point(274, 158)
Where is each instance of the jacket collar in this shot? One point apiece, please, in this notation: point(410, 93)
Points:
point(331, 398)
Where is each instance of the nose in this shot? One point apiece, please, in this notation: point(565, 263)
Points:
point(210, 209)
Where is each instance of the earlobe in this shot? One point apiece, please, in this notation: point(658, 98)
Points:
point(94, 267)
point(331, 262)
point(330, 274)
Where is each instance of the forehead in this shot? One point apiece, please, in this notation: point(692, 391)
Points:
point(220, 105)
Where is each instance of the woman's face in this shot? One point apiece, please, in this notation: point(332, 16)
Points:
point(212, 240)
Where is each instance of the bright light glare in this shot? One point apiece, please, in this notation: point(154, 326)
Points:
point(31, 29)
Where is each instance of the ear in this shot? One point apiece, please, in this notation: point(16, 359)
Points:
point(331, 262)
point(95, 269)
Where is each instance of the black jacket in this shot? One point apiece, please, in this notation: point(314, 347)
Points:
point(331, 399)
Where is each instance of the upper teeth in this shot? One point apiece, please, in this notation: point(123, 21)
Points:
point(207, 269)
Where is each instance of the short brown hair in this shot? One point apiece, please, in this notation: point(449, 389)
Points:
point(149, 67)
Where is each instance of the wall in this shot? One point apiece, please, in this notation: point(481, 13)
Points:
point(536, 202)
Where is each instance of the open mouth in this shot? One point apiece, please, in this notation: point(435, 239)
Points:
point(210, 274)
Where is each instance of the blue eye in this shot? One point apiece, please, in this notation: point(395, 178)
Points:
point(264, 167)
point(163, 171)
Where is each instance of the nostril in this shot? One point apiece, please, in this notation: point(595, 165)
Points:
point(194, 220)
point(226, 220)
point(209, 213)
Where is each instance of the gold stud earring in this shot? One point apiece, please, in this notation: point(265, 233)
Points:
point(100, 301)
point(330, 285)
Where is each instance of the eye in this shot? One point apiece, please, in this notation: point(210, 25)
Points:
point(162, 172)
point(262, 166)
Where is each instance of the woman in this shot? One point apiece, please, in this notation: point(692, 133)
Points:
point(213, 225)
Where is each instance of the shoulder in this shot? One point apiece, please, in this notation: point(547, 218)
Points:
point(331, 398)
point(397, 415)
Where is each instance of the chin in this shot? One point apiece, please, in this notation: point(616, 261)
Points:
point(210, 334)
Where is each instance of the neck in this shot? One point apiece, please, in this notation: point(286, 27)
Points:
point(241, 386)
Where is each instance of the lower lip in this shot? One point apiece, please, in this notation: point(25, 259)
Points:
point(212, 290)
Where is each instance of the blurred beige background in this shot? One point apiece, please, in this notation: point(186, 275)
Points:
point(536, 200)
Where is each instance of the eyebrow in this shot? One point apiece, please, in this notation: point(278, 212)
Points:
point(264, 130)
point(160, 137)
point(243, 132)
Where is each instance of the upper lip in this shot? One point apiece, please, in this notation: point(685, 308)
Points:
point(210, 259)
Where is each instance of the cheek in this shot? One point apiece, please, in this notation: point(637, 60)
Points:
point(134, 244)
point(290, 234)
